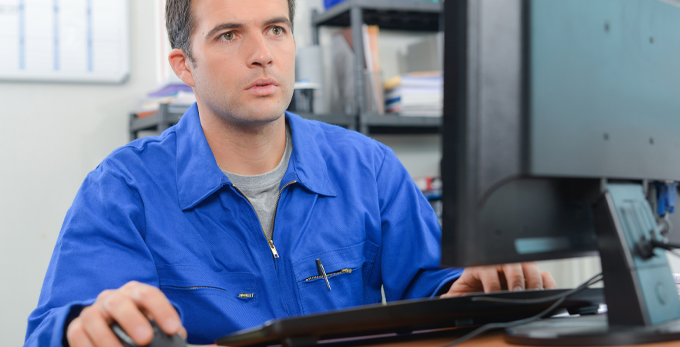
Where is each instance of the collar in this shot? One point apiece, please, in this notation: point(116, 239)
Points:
point(198, 175)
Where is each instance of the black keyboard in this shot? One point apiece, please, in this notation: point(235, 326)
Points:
point(407, 316)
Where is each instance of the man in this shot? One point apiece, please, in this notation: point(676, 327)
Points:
point(220, 220)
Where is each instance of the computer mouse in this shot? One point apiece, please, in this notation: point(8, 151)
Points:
point(160, 338)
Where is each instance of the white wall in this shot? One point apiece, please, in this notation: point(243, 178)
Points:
point(51, 136)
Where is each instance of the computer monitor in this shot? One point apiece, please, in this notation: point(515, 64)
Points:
point(560, 120)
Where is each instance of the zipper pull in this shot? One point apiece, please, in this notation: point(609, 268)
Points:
point(274, 252)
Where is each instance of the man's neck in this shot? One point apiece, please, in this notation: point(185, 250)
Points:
point(244, 149)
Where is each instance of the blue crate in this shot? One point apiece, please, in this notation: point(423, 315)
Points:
point(330, 3)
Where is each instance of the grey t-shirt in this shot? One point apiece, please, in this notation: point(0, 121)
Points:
point(263, 190)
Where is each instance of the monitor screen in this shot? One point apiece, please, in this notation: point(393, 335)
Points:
point(544, 100)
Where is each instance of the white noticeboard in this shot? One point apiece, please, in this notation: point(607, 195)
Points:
point(64, 40)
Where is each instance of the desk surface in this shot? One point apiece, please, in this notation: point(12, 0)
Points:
point(489, 340)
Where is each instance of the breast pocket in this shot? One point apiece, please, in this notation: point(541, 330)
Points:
point(347, 270)
point(213, 304)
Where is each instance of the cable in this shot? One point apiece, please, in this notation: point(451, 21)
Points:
point(560, 300)
point(665, 245)
point(670, 247)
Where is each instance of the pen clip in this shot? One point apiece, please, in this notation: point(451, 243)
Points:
point(322, 272)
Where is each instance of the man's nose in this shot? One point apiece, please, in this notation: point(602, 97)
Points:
point(259, 53)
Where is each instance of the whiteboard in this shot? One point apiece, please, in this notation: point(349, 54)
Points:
point(64, 40)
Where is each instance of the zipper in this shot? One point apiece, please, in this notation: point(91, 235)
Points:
point(270, 242)
point(242, 295)
point(275, 253)
point(202, 287)
point(276, 207)
point(343, 271)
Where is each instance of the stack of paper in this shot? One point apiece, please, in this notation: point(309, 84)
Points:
point(415, 94)
point(178, 96)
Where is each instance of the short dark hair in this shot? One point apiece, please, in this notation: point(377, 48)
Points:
point(179, 21)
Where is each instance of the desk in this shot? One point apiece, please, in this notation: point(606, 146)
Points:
point(494, 339)
point(490, 340)
point(487, 340)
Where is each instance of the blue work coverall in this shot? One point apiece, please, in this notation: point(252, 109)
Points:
point(160, 211)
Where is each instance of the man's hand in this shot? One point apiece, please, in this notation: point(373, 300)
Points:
point(129, 306)
point(494, 278)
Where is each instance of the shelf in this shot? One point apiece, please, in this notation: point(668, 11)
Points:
point(387, 14)
point(374, 124)
point(151, 122)
point(402, 121)
point(349, 122)
point(170, 115)
point(394, 124)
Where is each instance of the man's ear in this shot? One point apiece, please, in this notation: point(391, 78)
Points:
point(180, 65)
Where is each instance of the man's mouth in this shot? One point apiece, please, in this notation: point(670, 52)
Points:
point(263, 87)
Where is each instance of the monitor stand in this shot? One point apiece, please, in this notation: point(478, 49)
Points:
point(641, 295)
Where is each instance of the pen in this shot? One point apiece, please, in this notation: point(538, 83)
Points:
point(322, 272)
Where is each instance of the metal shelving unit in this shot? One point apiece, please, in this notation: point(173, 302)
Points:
point(168, 116)
point(159, 121)
point(387, 14)
point(395, 124)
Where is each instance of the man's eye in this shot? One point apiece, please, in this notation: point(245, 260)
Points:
point(228, 36)
point(277, 31)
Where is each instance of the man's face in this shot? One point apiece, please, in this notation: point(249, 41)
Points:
point(244, 55)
